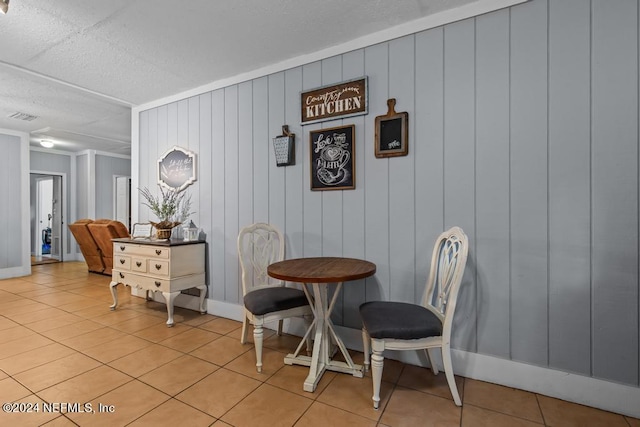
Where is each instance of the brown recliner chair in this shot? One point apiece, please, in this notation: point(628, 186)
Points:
point(103, 230)
point(88, 246)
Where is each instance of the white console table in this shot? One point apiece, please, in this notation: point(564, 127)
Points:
point(160, 266)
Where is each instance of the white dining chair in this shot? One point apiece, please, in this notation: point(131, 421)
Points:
point(403, 326)
point(266, 299)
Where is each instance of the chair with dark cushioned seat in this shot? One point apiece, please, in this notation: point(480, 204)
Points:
point(266, 299)
point(403, 326)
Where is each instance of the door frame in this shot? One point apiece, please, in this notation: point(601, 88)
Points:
point(63, 210)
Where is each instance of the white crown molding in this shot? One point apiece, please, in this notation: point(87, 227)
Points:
point(470, 10)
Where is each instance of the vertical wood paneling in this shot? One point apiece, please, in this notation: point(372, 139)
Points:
point(172, 128)
point(203, 216)
point(312, 200)
point(353, 227)
point(82, 188)
point(260, 150)
point(217, 238)
point(376, 176)
point(569, 186)
point(459, 167)
point(183, 123)
point(193, 131)
point(162, 143)
point(295, 180)
point(10, 176)
point(155, 153)
point(402, 175)
point(615, 190)
point(143, 169)
point(245, 154)
point(428, 149)
point(276, 174)
point(492, 182)
point(231, 228)
point(529, 292)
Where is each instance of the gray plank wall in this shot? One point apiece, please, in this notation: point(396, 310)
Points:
point(55, 163)
point(523, 131)
point(106, 168)
point(11, 249)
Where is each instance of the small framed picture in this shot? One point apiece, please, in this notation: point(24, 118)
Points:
point(392, 133)
point(141, 230)
point(333, 158)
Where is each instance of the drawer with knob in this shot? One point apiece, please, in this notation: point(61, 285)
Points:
point(139, 264)
point(122, 262)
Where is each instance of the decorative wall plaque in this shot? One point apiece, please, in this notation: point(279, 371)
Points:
point(336, 101)
point(392, 133)
point(177, 169)
point(333, 163)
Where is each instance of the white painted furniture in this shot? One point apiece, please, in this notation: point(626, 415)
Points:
point(265, 299)
point(402, 326)
point(317, 274)
point(159, 266)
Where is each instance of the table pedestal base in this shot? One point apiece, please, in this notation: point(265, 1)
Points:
point(321, 360)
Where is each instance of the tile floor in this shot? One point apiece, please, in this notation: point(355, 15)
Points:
point(60, 344)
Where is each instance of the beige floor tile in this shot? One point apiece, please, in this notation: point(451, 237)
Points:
point(160, 332)
point(291, 378)
point(129, 402)
point(321, 415)
point(93, 338)
point(11, 390)
point(44, 314)
point(221, 326)
point(221, 351)
point(245, 364)
point(472, 416)
point(178, 374)
point(115, 349)
point(422, 379)
point(561, 413)
point(44, 376)
point(23, 344)
point(145, 360)
point(510, 401)
point(138, 323)
point(633, 422)
point(354, 395)
point(33, 358)
point(7, 323)
point(198, 319)
point(237, 334)
point(73, 330)
point(110, 318)
point(219, 392)
point(190, 339)
point(61, 421)
point(283, 343)
point(410, 408)
point(174, 413)
point(87, 386)
point(60, 321)
point(17, 332)
point(27, 419)
point(81, 305)
point(268, 406)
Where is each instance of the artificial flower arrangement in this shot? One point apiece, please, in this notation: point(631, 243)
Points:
point(171, 207)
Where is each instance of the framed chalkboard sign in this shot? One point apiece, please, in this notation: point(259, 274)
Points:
point(177, 169)
point(391, 137)
point(333, 163)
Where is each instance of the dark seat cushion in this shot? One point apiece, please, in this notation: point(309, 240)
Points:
point(268, 300)
point(399, 320)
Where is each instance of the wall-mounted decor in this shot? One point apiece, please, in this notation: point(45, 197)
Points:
point(177, 169)
point(284, 148)
point(333, 165)
point(335, 101)
point(392, 133)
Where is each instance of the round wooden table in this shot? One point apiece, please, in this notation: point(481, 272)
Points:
point(317, 273)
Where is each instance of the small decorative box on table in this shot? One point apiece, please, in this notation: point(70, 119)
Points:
point(159, 266)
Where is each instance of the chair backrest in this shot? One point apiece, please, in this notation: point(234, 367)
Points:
point(259, 245)
point(447, 268)
point(88, 246)
point(103, 230)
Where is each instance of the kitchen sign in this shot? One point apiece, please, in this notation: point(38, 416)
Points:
point(336, 101)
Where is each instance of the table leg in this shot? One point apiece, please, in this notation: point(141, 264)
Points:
point(114, 294)
point(169, 297)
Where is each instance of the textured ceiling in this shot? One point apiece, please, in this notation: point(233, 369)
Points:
point(80, 65)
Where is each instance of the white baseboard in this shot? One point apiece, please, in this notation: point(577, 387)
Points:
point(606, 395)
point(8, 273)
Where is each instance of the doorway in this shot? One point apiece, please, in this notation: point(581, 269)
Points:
point(46, 219)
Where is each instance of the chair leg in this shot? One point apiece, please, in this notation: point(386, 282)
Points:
point(258, 335)
point(377, 363)
point(366, 348)
point(280, 327)
point(448, 370)
point(245, 330)
point(434, 368)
